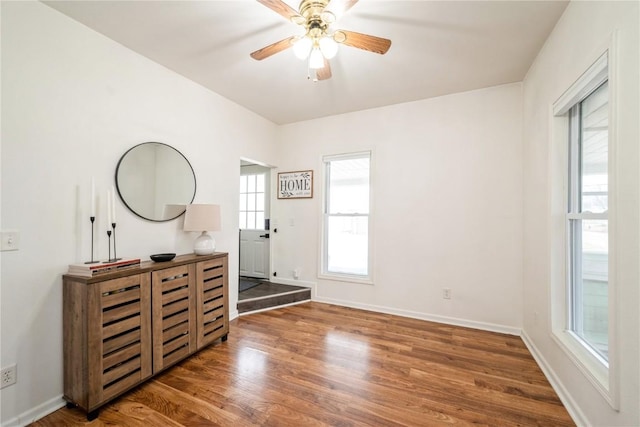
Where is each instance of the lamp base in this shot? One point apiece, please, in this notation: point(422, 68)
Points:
point(204, 244)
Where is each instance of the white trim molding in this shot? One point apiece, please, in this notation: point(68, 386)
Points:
point(34, 414)
point(592, 78)
point(569, 403)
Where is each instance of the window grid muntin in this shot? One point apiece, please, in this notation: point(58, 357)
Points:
point(252, 202)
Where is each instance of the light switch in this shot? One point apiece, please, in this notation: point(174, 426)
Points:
point(10, 240)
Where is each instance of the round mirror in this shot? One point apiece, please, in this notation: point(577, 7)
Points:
point(155, 181)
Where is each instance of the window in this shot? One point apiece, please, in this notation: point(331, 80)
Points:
point(252, 201)
point(587, 221)
point(346, 240)
point(582, 195)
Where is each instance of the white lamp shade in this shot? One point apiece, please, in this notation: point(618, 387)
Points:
point(173, 211)
point(203, 218)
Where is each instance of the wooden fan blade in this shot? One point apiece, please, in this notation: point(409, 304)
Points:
point(272, 49)
point(324, 73)
point(282, 8)
point(363, 41)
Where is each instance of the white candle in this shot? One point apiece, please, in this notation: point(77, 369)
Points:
point(113, 204)
point(108, 210)
point(93, 197)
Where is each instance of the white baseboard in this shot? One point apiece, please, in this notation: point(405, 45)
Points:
point(574, 410)
point(36, 413)
point(405, 313)
point(423, 316)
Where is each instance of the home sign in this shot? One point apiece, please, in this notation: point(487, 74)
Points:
point(295, 185)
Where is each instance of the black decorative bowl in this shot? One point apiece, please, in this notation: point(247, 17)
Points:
point(162, 257)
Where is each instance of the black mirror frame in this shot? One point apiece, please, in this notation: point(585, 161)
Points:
point(195, 183)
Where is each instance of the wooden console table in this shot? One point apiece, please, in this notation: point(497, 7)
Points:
point(122, 328)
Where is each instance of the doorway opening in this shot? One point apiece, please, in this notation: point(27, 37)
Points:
point(254, 219)
point(255, 290)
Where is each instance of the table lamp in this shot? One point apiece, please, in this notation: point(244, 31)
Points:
point(203, 218)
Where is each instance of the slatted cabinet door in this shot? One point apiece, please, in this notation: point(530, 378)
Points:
point(174, 326)
point(212, 295)
point(123, 337)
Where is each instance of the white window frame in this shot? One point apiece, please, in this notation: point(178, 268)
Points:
point(601, 373)
point(323, 269)
point(574, 216)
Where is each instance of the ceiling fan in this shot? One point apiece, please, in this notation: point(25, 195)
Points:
point(319, 43)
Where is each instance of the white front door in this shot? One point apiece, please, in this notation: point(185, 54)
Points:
point(254, 253)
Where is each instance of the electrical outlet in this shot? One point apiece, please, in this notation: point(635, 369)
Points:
point(446, 293)
point(8, 376)
point(10, 240)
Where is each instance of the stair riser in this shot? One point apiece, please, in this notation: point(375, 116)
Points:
point(273, 301)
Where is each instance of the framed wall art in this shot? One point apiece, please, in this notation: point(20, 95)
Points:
point(295, 185)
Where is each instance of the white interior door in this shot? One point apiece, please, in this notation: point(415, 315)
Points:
point(253, 219)
point(254, 253)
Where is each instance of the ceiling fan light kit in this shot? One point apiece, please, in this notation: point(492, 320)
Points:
point(302, 47)
point(328, 47)
point(316, 60)
point(318, 44)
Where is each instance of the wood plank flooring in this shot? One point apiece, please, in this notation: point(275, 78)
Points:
point(322, 365)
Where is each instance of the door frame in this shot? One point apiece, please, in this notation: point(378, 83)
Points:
point(246, 163)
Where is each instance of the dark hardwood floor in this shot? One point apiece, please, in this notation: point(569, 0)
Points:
point(321, 365)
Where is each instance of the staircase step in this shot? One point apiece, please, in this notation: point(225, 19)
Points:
point(273, 301)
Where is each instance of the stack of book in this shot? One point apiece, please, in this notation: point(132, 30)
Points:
point(101, 267)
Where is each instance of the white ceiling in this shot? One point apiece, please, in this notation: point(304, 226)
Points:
point(438, 48)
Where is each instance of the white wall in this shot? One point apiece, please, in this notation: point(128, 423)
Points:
point(582, 32)
point(448, 195)
point(72, 103)
point(447, 203)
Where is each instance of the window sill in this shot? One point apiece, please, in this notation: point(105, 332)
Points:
point(592, 366)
